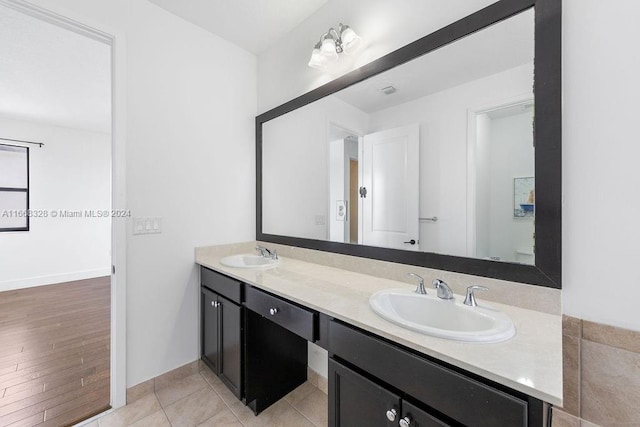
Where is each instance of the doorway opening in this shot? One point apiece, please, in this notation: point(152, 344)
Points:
point(502, 172)
point(56, 284)
point(344, 182)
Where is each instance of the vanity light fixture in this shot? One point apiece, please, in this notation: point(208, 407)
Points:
point(333, 42)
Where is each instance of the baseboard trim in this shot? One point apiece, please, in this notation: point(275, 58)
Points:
point(322, 383)
point(32, 282)
point(157, 383)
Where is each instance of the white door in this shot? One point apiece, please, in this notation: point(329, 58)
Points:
point(389, 191)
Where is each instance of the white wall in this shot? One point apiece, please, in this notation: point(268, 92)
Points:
point(71, 172)
point(295, 164)
point(601, 279)
point(478, 244)
point(191, 104)
point(600, 155)
point(190, 160)
point(443, 120)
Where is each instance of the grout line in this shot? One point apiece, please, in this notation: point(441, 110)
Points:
point(303, 415)
point(162, 409)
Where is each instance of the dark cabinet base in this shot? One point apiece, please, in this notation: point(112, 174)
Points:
point(258, 348)
point(356, 401)
point(275, 361)
point(222, 338)
point(430, 392)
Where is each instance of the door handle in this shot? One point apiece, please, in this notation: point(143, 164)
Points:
point(411, 242)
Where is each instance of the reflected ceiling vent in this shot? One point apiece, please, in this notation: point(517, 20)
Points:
point(388, 90)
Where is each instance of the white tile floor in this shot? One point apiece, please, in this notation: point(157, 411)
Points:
point(203, 400)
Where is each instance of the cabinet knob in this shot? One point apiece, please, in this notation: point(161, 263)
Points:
point(273, 311)
point(215, 304)
point(405, 422)
point(391, 414)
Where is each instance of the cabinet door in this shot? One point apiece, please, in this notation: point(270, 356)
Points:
point(210, 329)
point(230, 345)
point(413, 416)
point(355, 401)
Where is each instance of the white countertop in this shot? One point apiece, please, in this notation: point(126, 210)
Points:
point(530, 362)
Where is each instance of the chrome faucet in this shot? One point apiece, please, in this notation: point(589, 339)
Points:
point(420, 289)
point(444, 291)
point(266, 252)
point(470, 299)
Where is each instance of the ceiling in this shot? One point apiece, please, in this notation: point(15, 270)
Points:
point(52, 75)
point(507, 44)
point(254, 25)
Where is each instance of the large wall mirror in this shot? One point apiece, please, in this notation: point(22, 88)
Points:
point(443, 154)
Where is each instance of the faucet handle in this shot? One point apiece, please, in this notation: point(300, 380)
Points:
point(470, 299)
point(420, 289)
point(444, 291)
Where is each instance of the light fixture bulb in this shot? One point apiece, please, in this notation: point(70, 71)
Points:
point(332, 44)
point(350, 40)
point(318, 60)
point(328, 48)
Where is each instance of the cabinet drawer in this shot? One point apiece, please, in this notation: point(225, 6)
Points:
point(298, 320)
point(461, 398)
point(223, 285)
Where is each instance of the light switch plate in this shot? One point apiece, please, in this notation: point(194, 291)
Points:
point(152, 225)
point(341, 210)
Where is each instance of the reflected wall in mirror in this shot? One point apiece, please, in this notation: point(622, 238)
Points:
point(429, 156)
point(421, 157)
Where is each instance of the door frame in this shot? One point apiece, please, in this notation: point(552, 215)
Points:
point(334, 123)
point(115, 38)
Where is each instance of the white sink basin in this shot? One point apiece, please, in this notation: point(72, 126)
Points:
point(248, 261)
point(433, 316)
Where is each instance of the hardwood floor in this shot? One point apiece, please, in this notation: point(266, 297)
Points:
point(54, 353)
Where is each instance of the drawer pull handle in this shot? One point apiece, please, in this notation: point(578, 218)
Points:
point(391, 414)
point(405, 422)
point(273, 311)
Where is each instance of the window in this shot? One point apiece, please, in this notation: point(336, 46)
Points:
point(14, 188)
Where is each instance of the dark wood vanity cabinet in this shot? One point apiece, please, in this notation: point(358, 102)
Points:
point(254, 341)
point(276, 337)
point(356, 400)
point(385, 384)
point(222, 328)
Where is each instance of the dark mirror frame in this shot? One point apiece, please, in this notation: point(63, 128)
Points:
point(548, 148)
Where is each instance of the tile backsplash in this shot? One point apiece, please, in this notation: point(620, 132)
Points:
point(601, 375)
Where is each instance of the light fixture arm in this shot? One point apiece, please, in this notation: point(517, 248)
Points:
point(335, 35)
